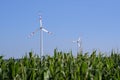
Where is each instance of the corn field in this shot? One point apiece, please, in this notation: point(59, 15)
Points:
point(62, 66)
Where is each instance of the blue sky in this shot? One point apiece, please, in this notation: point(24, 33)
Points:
point(96, 22)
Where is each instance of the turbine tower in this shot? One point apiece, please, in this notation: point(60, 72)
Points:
point(79, 45)
point(42, 29)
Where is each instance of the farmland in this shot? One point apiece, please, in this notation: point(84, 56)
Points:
point(62, 66)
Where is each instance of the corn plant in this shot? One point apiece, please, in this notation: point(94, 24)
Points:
point(62, 66)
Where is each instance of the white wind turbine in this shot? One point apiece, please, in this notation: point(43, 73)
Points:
point(79, 44)
point(42, 29)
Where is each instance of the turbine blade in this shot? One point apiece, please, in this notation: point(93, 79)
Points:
point(41, 21)
point(78, 45)
point(46, 31)
point(79, 39)
point(31, 34)
point(74, 41)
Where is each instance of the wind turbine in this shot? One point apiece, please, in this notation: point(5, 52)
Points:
point(42, 29)
point(79, 44)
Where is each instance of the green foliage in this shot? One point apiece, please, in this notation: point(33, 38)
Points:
point(62, 66)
